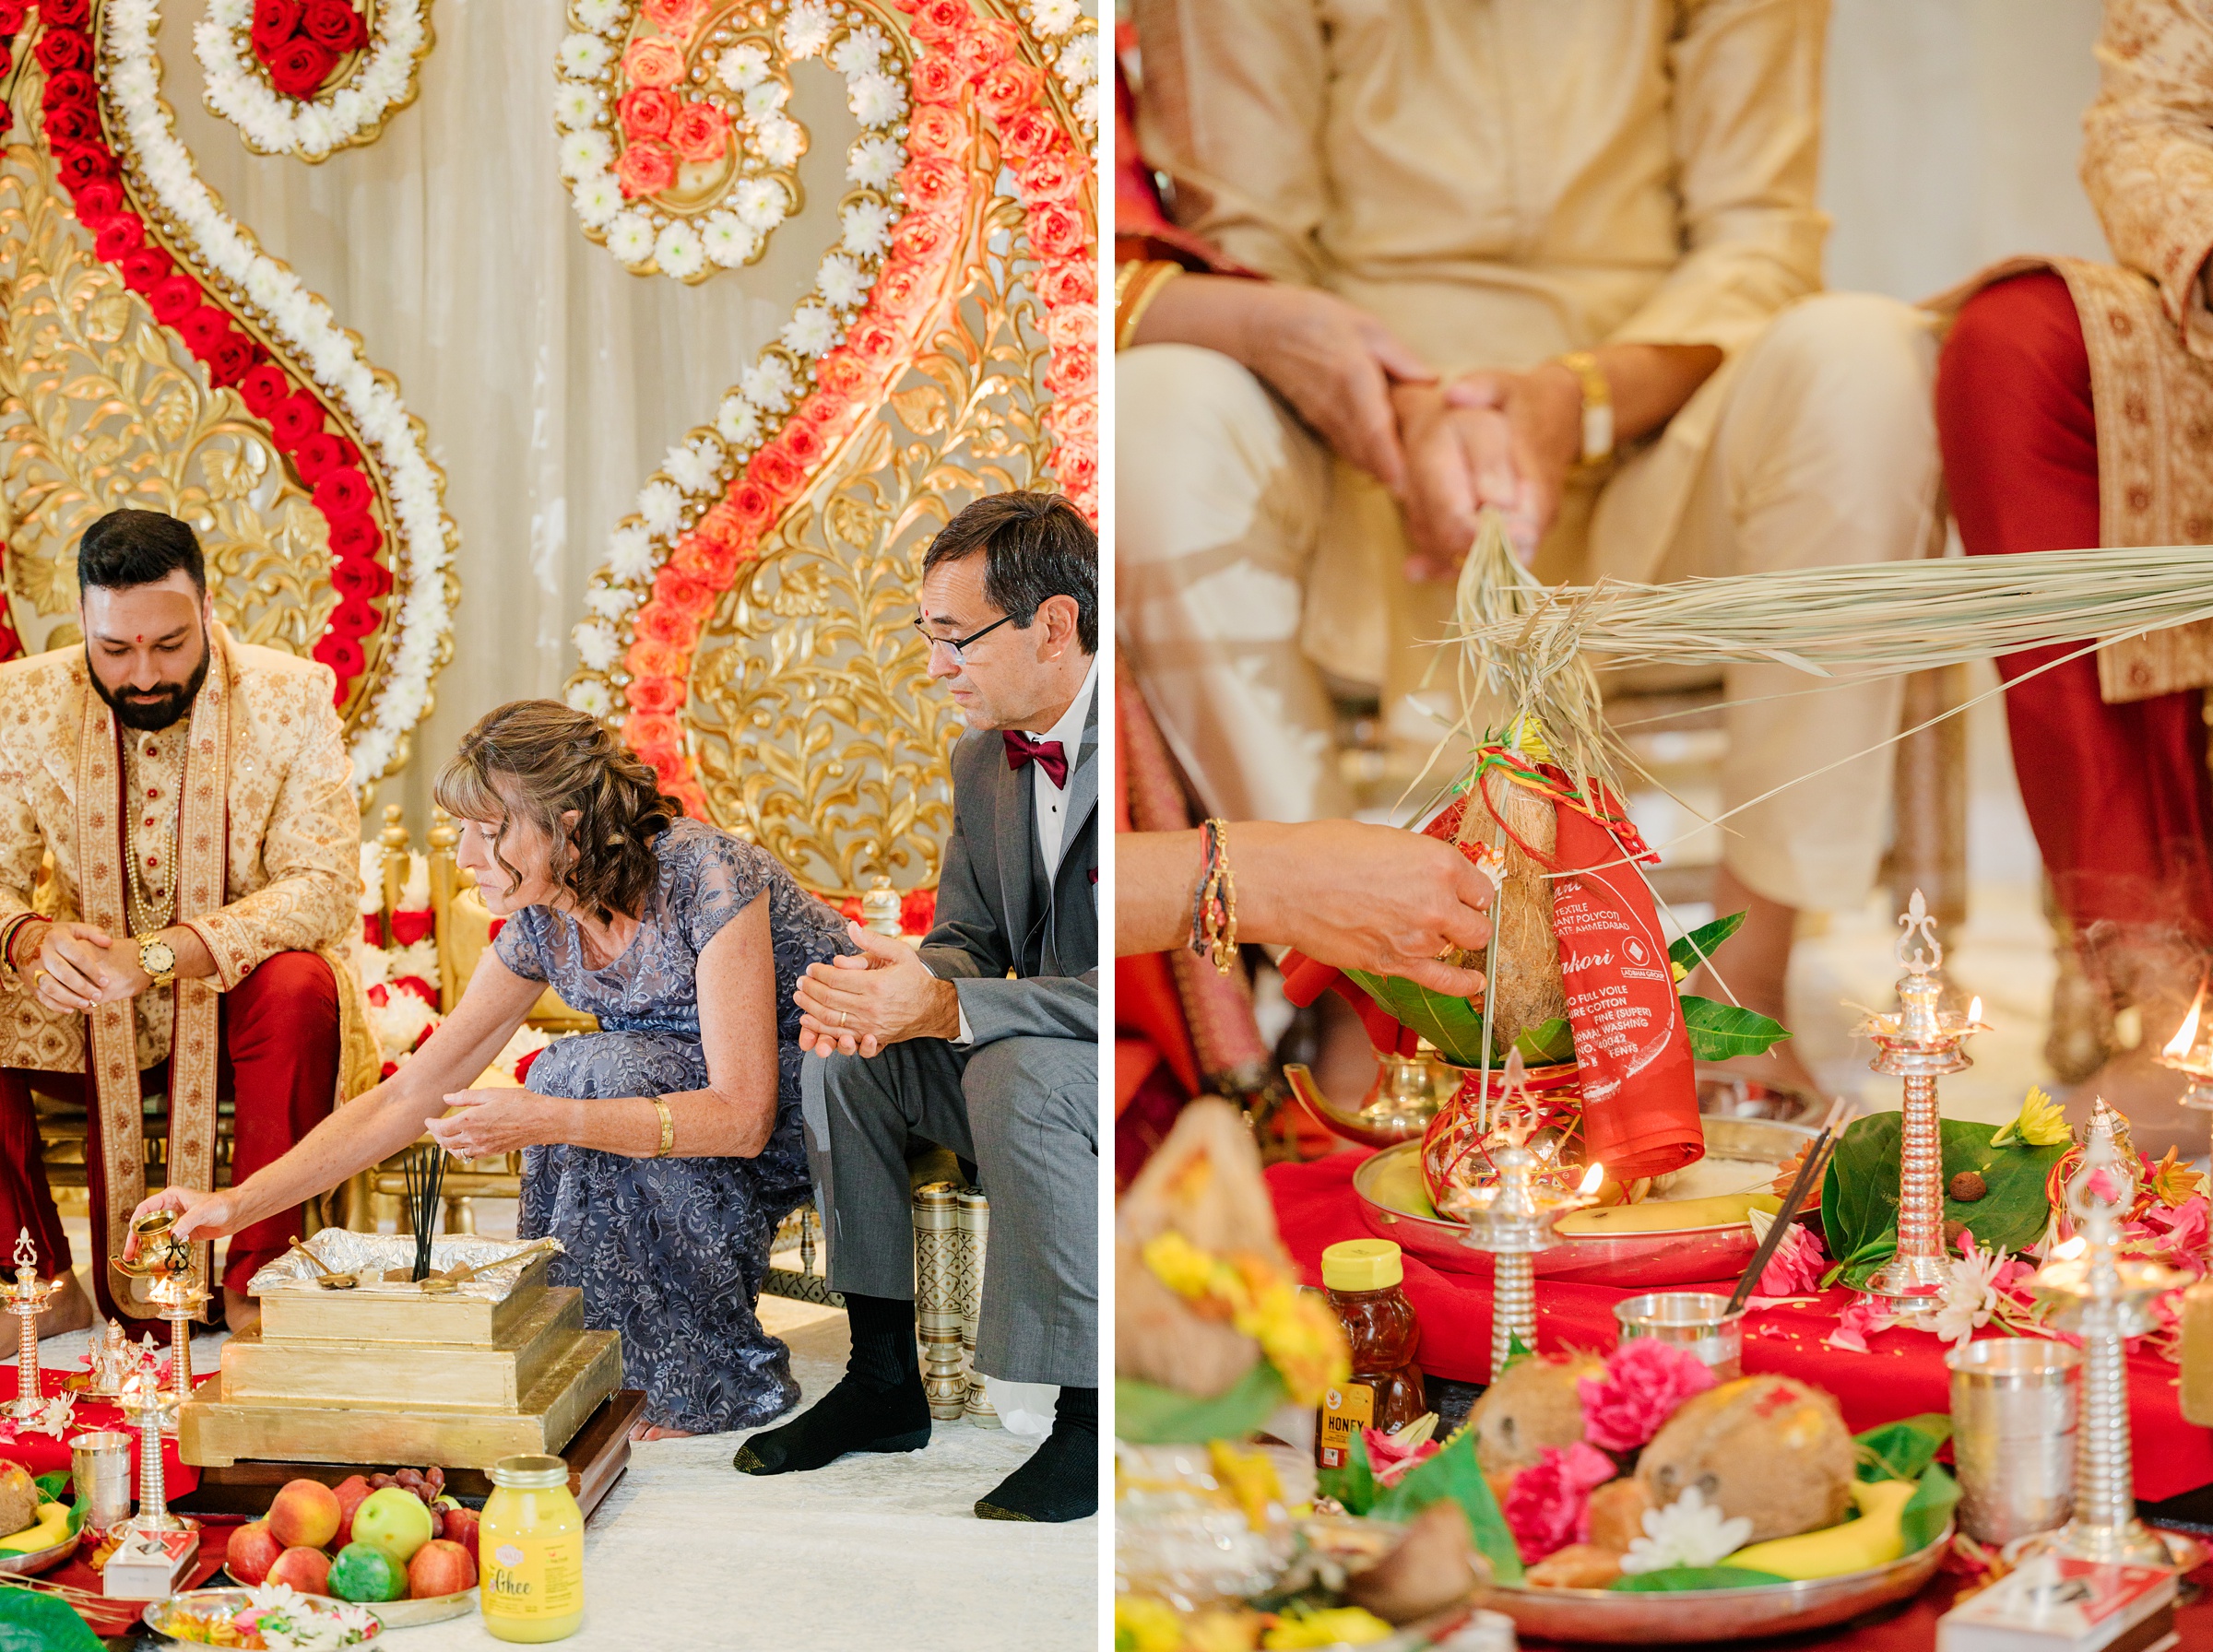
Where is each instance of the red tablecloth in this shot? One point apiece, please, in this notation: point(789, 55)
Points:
point(113, 1618)
point(42, 1454)
point(1903, 1374)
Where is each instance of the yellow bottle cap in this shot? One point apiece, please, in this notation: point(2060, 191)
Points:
point(1362, 1265)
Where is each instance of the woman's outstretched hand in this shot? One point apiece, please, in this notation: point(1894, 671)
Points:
point(492, 1122)
point(199, 1215)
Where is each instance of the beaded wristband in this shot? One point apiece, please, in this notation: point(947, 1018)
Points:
point(1214, 902)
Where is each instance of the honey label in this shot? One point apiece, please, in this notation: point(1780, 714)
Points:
point(543, 1579)
point(1346, 1411)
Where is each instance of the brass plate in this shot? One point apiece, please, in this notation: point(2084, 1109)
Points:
point(457, 1378)
point(214, 1431)
point(373, 1317)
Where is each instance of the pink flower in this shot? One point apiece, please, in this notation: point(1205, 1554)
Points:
point(653, 62)
point(1391, 1458)
point(2182, 1230)
point(1643, 1383)
point(1796, 1266)
point(1859, 1318)
point(1548, 1507)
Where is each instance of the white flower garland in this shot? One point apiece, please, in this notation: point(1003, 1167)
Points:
point(312, 129)
point(647, 241)
point(132, 89)
point(1075, 59)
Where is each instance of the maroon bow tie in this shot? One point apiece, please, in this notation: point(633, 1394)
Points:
point(1049, 755)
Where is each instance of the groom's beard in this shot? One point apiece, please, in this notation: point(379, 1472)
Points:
point(158, 708)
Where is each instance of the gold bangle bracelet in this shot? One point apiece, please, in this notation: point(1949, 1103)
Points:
point(1136, 285)
point(667, 1129)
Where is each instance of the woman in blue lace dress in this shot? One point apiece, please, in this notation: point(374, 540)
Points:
point(661, 1151)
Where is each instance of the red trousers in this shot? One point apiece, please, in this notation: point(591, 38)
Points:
point(2119, 796)
point(276, 1060)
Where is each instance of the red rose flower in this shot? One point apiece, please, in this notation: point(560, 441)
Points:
point(804, 442)
point(873, 342)
point(752, 505)
point(653, 62)
point(941, 19)
point(354, 617)
point(1071, 324)
point(774, 468)
point(1066, 282)
point(11, 16)
point(826, 411)
point(1028, 135)
point(98, 201)
point(936, 130)
point(79, 164)
point(646, 113)
point(1074, 418)
point(924, 238)
point(173, 299)
point(334, 26)
point(358, 538)
point(72, 124)
point(656, 694)
point(683, 593)
point(670, 770)
point(343, 492)
point(900, 288)
point(146, 269)
point(676, 17)
point(700, 132)
point(275, 22)
point(201, 326)
point(295, 419)
point(934, 185)
point(1010, 87)
point(68, 87)
point(706, 560)
point(645, 169)
point(118, 237)
point(918, 911)
point(344, 658)
point(1054, 175)
point(660, 624)
point(360, 576)
point(228, 358)
point(842, 375)
point(720, 523)
point(935, 81)
point(60, 49)
point(648, 659)
point(1077, 469)
point(320, 452)
point(298, 68)
point(984, 48)
point(1056, 232)
point(64, 13)
point(263, 388)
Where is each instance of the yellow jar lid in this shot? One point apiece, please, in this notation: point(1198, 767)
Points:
point(1362, 1265)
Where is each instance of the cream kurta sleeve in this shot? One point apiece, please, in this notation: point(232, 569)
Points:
point(22, 844)
point(1235, 92)
point(1745, 124)
point(2148, 150)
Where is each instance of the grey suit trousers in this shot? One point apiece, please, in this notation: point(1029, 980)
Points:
point(1025, 1110)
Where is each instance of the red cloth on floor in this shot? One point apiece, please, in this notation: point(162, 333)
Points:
point(117, 1618)
point(1902, 1375)
point(277, 1059)
point(43, 1454)
point(2119, 796)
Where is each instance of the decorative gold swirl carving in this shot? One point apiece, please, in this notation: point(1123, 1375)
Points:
point(102, 407)
point(815, 727)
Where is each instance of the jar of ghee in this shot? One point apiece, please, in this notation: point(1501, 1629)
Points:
point(1384, 1391)
point(530, 1552)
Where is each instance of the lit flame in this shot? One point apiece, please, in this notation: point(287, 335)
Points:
point(1974, 1010)
point(2186, 1036)
point(1591, 1178)
point(2071, 1249)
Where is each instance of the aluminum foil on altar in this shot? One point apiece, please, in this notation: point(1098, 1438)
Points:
point(369, 1257)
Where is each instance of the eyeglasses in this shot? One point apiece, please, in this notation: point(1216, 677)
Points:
point(958, 646)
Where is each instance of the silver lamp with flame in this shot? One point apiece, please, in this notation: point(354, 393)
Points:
point(2191, 1055)
point(27, 1296)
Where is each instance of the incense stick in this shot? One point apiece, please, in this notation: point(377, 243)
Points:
point(425, 1172)
point(1814, 1162)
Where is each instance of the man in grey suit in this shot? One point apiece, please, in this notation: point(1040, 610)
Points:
point(987, 1040)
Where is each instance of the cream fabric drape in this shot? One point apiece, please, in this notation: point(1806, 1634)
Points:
point(551, 379)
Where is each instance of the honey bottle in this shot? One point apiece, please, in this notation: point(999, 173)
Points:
point(1384, 1391)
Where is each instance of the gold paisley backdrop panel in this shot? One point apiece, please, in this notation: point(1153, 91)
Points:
point(551, 380)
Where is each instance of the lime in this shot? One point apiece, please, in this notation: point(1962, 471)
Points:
point(364, 1572)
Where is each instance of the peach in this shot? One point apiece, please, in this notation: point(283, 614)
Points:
point(252, 1553)
point(305, 1515)
point(307, 1570)
point(349, 1493)
point(440, 1567)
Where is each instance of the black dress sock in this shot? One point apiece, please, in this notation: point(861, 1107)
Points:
point(877, 1406)
point(1060, 1482)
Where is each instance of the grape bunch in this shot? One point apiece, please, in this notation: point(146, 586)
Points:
point(429, 1484)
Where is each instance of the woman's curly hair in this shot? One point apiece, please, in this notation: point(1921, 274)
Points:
point(539, 758)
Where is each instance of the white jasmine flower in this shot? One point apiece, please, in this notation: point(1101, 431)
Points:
point(1053, 18)
point(662, 507)
point(630, 236)
point(630, 553)
point(1087, 107)
point(677, 252)
point(590, 696)
point(576, 105)
point(779, 140)
point(868, 227)
point(861, 51)
point(583, 153)
point(876, 99)
point(811, 331)
point(807, 27)
point(727, 241)
point(741, 67)
point(764, 98)
point(768, 383)
point(584, 56)
point(601, 16)
point(1687, 1532)
point(1079, 60)
point(596, 643)
point(737, 422)
point(873, 162)
point(842, 282)
point(694, 467)
point(231, 14)
point(610, 602)
point(760, 203)
point(598, 200)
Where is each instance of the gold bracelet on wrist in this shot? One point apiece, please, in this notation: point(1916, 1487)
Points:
point(668, 1128)
point(1136, 284)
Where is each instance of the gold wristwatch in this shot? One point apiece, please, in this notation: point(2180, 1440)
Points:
point(158, 959)
point(1598, 406)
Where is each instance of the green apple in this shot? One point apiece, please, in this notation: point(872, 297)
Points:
point(394, 1521)
point(363, 1572)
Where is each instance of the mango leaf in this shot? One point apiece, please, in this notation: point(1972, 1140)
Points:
point(1515, 1350)
point(1720, 1031)
point(1146, 1415)
point(1453, 1473)
point(51, 1486)
point(1929, 1510)
point(32, 1623)
point(1692, 949)
point(1859, 1196)
point(1352, 1485)
point(1901, 1450)
point(1454, 1025)
point(1672, 1579)
point(1548, 1044)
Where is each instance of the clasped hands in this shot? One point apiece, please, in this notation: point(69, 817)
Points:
point(857, 1005)
point(79, 967)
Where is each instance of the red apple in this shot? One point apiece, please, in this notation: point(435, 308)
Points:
point(461, 1526)
point(304, 1515)
point(349, 1493)
point(440, 1567)
point(252, 1553)
point(307, 1570)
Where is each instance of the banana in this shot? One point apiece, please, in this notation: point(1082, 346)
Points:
point(1873, 1540)
point(1658, 1216)
point(51, 1528)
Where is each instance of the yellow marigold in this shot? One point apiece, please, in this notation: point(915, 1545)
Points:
point(1340, 1626)
point(1298, 1333)
point(2173, 1183)
point(2040, 1123)
point(1183, 1267)
point(1222, 1632)
point(1249, 1478)
point(1145, 1624)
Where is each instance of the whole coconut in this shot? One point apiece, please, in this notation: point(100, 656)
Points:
point(1531, 1405)
point(1770, 1448)
point(18, 1499)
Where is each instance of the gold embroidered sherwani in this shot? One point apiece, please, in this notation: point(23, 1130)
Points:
point(265, 841)
point(1499, 181)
